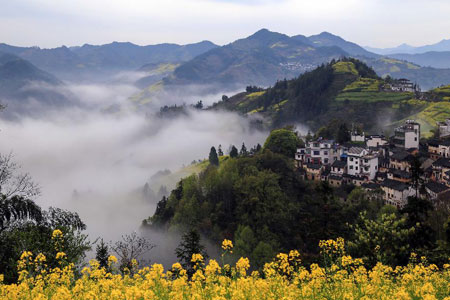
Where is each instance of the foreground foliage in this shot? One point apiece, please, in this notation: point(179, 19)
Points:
point(339, 277)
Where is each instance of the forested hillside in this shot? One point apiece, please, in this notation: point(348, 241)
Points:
point(346, 89)
point(260, 201)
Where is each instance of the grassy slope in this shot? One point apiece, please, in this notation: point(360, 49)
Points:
point(172, 179)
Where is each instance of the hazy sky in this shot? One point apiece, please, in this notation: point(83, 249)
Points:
point(380, 23)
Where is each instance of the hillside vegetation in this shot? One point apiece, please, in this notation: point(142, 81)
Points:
point(346, 89)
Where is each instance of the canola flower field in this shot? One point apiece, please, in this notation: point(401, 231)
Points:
point(339, 277)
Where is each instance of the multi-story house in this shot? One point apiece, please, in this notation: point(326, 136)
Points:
point(361, 162)
point(401, 160)
point(321, 151)
point(408, 135)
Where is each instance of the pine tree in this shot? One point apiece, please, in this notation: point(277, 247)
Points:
point(219, 151)
point(189, 245)
point(243, 151)
point(213, 158)
point(233, 152)
point(102, 254)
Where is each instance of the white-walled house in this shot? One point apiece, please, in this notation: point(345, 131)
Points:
point(361, 162)
point(319, 152)
point(374, 141)
point(444, 128)
point(396, 193)
point(408, 135)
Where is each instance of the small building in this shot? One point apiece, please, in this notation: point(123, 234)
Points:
point(357, 137)
point(404, 85)
point(396, 193)
point(335, 180)
point(376, 141)
point(399, 175)
point(440, 168)
point(408, 135)
point(401, 160)
point(444, 128)
point(313, 171)
point(435, 189)
point(339, 167)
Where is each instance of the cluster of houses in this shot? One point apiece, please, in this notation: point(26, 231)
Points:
point(382, 166)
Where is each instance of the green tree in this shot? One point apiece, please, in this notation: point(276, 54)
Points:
point(343, 134)
point(234, 152)
point(384, 239)
point(282, 141)
point(17, 208)
point(219, 151)
point(416, 174)
point(243, 151)
point(102, 254)
point(189, 245)
point(213, 158)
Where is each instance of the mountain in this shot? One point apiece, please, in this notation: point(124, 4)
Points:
point(347, 89)
point(328, 39)
point(71, 63)
point(23, 83)
point(433, 59)
point(443, 45)
point(258, 59)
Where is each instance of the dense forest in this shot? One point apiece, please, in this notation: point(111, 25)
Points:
point(261, 202)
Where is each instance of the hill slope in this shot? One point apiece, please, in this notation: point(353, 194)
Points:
point(428, 59)
point(347, 90)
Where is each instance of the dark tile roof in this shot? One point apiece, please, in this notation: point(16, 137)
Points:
point(370, 185)
point(442, 162)
point(436, 187)
point(313, 166)
point(433, 143)
point(401, 156)
point(400, 173)
point(394, 184)
point(335, 177)
point(339, 164)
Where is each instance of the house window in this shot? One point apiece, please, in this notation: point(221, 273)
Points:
point(351, 158)
point(325, 152)
point(351, 167)
point(415, 139)
point(356, 168)
point(316, 152)
point(356, 162)
point(325, 160)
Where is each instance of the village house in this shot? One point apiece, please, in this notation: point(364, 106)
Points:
point(396, 193)
point(373, 141)
point(313, 171)
point(400, 160)
point(440, 168)
point(433, 149)
point(404, 85)
point(361, 162)
point(339, 167)
point(408, 135)
point(399, 175)
point(444, 128)
point(318, 152)
point(435, 189)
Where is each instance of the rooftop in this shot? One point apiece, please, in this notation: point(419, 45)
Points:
point(436, 187)
point(339, 164)
point(442, 162)
point(355, 150)
point(394, 184)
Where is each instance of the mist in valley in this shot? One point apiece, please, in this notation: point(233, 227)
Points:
point(97, 163)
